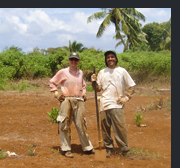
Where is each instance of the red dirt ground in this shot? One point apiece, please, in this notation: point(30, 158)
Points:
point(24, 125)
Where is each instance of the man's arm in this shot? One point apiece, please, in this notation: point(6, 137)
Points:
point(130, 92)
point(127, 96)
point(97, 87)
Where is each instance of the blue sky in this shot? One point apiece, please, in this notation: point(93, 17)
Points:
point(54, 27)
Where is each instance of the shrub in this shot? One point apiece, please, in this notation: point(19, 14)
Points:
point(17, 65)
point(138, 118)
point(53, 115)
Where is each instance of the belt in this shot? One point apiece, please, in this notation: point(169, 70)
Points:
point(78, 98)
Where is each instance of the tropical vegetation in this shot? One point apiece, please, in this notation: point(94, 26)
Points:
point(157, 33)
point(75, 46)
point(138, 60)
point(126, 22)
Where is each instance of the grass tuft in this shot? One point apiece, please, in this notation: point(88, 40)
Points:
point(2, 154)
point(144, 154)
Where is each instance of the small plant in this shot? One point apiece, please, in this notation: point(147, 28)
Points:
point(2, 154)
point(31, 152)
point(53, 115)
point(138, 118)
point(56, 154)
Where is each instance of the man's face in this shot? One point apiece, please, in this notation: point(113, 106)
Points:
point(111, 60)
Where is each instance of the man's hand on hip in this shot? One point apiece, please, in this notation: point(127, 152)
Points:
point(59, 96)
point(122, 100)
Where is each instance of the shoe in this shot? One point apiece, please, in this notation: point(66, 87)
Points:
point(68, 154)
point(108, 152)
point(128, 155)
point(92, 151)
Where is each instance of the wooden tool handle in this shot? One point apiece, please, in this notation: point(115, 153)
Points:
point(97, 112)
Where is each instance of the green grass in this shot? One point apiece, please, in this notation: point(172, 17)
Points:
point(56, 154)
point(2, 154)
point(89, 88)
point(142, 154)
point(22, 86)
point(145, 154)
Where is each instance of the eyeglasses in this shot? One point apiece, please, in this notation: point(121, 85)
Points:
point(73, 59)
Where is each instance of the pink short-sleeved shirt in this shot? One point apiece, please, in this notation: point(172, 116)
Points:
point(71, 85)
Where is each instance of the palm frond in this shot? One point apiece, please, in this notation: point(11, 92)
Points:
point(134, 13)
point(125, 27)
point(117, 36)
point(97, 15)
point(106, 22)
point(119, 43)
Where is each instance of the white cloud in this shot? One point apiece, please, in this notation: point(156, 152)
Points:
point(64, 38)
point(44, 21)
point(78, 23)
point(17, 24)
point(54, 27)
point(155, 14)
point(5, 29)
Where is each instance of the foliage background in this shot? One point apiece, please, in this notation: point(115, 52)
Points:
point(15, 64)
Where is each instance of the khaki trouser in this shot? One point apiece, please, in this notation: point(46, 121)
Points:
point(72, 109)
point(114, 117)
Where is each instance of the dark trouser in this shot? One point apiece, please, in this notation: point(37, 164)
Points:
point(114, 117)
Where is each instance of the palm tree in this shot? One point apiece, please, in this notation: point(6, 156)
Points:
point(16, 48)
point(166, 43)
point(132, 40)
point(124, 20)
point(74, 47)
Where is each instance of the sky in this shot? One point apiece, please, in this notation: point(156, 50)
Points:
point(28, 28)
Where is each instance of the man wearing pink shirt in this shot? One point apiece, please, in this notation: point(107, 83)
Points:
point(72, 106)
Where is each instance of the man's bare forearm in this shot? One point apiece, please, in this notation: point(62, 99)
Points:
point(130, 92)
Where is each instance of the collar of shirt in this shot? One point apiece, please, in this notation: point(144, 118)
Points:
point(77, 72)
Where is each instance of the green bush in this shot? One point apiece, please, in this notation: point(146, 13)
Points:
point(15, 64)
point(156, 63)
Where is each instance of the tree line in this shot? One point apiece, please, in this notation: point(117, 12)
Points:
point(15, 64)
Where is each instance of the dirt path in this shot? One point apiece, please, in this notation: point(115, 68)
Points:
point(24, 126)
